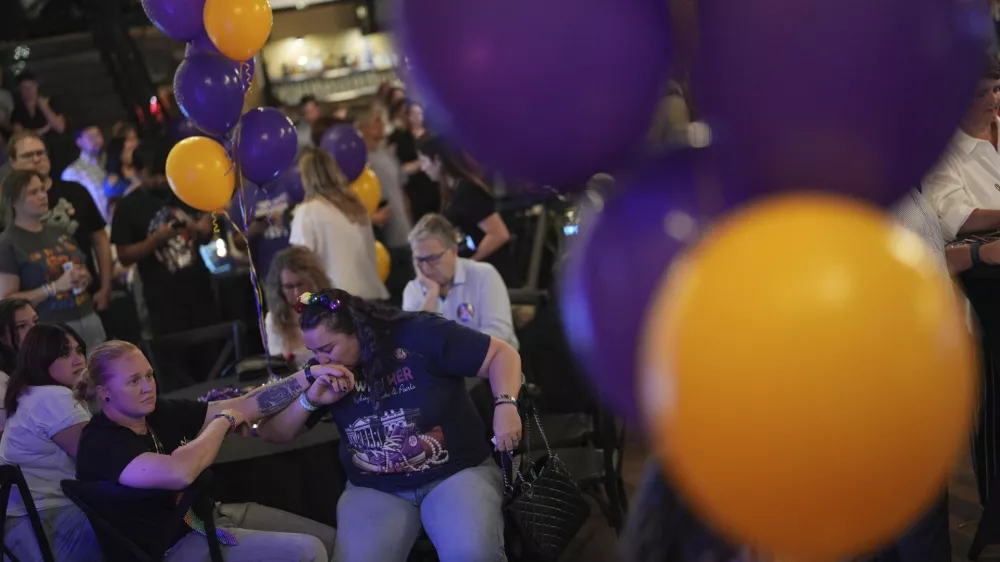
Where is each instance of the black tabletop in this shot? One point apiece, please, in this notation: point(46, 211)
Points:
point(238, 448)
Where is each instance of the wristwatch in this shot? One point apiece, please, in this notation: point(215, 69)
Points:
point(975, 254)
point(310, 377)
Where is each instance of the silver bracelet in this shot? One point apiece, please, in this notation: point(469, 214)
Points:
point(305, 403)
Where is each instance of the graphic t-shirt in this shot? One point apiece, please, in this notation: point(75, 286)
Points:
point(276, 200)
point(426, 427)
point(71, 207)
point(106, 448)
point(174, 273)
point(38, 258)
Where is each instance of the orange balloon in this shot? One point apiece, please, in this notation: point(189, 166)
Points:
point(238, 28)
point(368, 189)
point(808, 377)
point(383, 261)
point(198, 170)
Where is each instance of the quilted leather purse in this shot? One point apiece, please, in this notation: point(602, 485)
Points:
point(544, 507)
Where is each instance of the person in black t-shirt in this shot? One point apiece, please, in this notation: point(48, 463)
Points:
point(412, 440)
point(141, 441)
point(423, 192)
point(470, 207)
point(154, 229)
point(72, 208)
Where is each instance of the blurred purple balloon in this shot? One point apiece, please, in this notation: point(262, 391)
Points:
point(551, 92)
point(347, 148)
point(202, 44)
point(268, 142)
point(209, 92)
point(619, 259)
point(182, 128)
point(858, 97)
point(181, 20)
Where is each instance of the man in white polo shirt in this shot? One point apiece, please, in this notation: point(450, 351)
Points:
point(469, 292)
point(964, 187)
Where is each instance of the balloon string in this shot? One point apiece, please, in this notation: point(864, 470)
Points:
point(247, 79)
point(254, 280)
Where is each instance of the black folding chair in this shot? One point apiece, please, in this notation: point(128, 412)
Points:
point(163, 351)
point(99, 500)
point(10, 475)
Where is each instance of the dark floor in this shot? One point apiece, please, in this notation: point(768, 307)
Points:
point(597, 541)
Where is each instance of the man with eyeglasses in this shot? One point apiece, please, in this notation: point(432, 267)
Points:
point(469, 292)
point(71, 207)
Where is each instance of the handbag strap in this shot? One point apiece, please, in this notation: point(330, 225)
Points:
point(508, 486)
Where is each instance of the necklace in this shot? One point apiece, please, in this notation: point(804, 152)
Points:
point(156, 440)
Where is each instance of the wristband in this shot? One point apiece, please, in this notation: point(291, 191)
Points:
point(505, 397)
point(50, 289)
point(975, 253)
point(502, 402)
point(229, 417)
point(305, 403)
point(310, 377)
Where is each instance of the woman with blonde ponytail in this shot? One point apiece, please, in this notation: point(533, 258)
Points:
point(334, 224)
point(42, 436)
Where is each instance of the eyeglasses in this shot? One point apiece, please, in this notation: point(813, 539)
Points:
point(431, 259)
point(34, 154)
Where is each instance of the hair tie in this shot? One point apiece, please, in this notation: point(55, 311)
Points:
point(309, 299)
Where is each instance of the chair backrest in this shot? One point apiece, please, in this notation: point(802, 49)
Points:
point(230, 335)
point(101, 500)
point(11, 475)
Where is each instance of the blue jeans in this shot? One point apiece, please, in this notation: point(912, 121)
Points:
point(462, 515)
point(67, 529)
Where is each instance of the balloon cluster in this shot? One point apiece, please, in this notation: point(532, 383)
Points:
point(800, 364)
point(211, 85)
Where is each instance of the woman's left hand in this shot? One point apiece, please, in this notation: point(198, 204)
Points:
point(506, 427)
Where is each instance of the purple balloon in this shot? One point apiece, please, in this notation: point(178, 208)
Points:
point(347, 148)
point(181, 20)
point(209, 92)
point(552, 91)
point(182, 128)
point(858, 97)
point(202, 44)
point(618, 260)
point(268, 142)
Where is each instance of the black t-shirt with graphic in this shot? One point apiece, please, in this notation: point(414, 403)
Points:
point(72, 207)
point(174, 277)
point(106, 448)
point(427, 427)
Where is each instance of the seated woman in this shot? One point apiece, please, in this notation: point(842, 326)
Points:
point(142, 441)
point(42, 435)
point(295, 270)
point(16, 318)
point(412, 442)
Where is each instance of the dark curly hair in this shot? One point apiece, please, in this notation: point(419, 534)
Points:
point(372, 323)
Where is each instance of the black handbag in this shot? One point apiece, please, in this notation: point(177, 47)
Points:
point(544, 507)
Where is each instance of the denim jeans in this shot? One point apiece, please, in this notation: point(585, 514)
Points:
point(263, 534)
point(461, 514)
point(67, 529)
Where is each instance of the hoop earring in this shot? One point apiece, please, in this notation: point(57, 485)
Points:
point(107, 399)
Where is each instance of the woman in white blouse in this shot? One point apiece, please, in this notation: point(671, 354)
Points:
point(42, 435)
point(333, 223)
point(294, 270)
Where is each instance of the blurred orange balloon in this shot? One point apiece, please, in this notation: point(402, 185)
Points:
point(238, 28)
point(368, 189)
point(383, 261)
point(198, 170)
point(808, 377)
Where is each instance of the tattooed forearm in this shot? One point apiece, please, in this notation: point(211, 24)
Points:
point(273, 398)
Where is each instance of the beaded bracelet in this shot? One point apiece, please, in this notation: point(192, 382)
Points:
point(229, 417)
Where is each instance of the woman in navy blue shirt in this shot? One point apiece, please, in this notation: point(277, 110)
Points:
point(411, 439)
